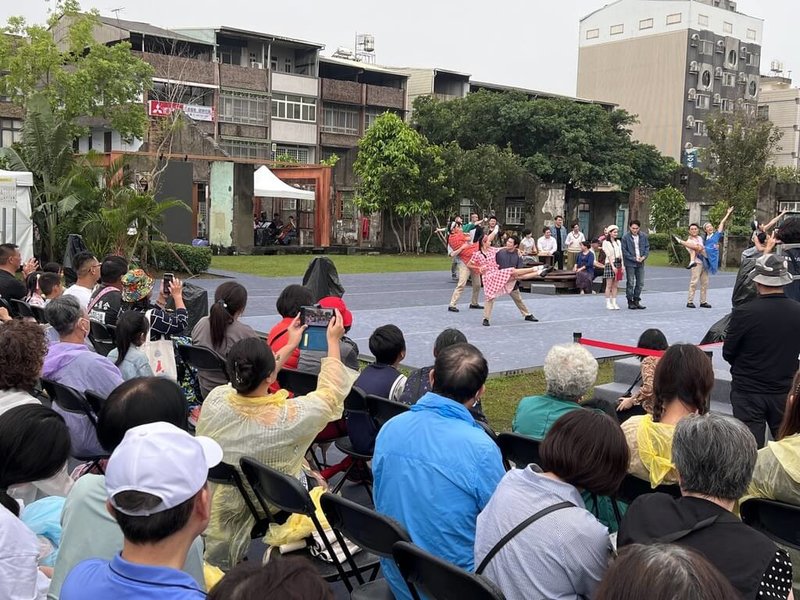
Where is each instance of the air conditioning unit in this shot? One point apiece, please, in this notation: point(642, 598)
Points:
point(256, 64)
point(743, 52)
point(692, 94)
point(689, 122)
point(694, 67)
point(742, 78)
point(718, 73)
point(720, 46)
point(694, 40)
point(717, 100)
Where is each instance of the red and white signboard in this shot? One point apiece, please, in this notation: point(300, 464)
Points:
point(158, 108)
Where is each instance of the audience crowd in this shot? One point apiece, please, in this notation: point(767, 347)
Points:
point(109, 452)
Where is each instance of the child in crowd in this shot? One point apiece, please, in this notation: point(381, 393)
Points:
point(132, 331)
point(34, 295)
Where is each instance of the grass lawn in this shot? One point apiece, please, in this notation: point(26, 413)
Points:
point(296, 265)
point(504, 393)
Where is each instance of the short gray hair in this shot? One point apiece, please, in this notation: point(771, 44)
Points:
point(570, 371)
point(714, 455)
point(63, 314)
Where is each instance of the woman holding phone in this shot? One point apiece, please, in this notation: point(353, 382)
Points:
point(137, 288)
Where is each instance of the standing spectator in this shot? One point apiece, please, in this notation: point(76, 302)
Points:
point(560, 235)
point(222, 328)
point(105, 304)
point(614, 270)
point(87, 268)
point(419, 382)
point(12, 288)
point(575, 239)
point(290, 301)
point(132, 332)
point(503, 278)
point(435, 468)
point(762, 345)
point(137, 287)
point(635, 250)
point(546, 243)
point(492, 229)
point(643, 398)
point(463, 248)
point(565, 553)
point(584, 268)
point(714, 457)
point(527, 245)
point(156, 481)
point(681, 386)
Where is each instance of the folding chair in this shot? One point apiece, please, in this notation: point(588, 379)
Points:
point(272, 487)
point(299, 383)
point(22, 309)
point(632, 487)
point(518, 450)
point(356, 402)
point(372, 531)
point(203, 359)
point(95, 400)
point(383, 409)
point(225, 474)
point(436, 579)
point(777, 520)
point(103, 337)
point(39, 314)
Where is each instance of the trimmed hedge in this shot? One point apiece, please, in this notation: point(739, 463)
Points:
point(659, 241)
point(197, 258)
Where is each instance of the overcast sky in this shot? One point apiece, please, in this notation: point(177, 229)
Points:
point(528, 43)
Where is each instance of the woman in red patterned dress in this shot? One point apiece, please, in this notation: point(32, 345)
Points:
point(497, 281)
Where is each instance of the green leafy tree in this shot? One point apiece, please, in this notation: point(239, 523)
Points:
point(78, 76)
point(401, 175)
point(667, 206)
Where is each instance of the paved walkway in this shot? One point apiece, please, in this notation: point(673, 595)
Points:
point(417, 303)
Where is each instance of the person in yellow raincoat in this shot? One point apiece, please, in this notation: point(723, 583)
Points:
point(681, 386)
point(246, 420)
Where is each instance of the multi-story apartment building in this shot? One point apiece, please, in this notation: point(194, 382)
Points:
point(780, 103)
point(440, 83)
point(672, 63)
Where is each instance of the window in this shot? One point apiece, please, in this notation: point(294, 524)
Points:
point(298, 153)
point(705, 78)
point(617, 29)
point(230, 55)
point(107, 141)
point(752, 88)
point(465, 208)
point(702, 101)
point(727, 27)
point(753, 59)
point(243, 108)
point(706, 47)
point(337, 118)
point(245, 148)
point(704, 210)
point(646, 24)
point(273, 63)
point(726, 105)
point(674, 19)
point(763, 112)
point(10, 132)
point(515, 212)
point(702, 20)
point(370, 115)
point(699, 128)
point(592, 34)
point(751, 34)
point(733, 58)
point(287, 65)
point(729, 79)
point(294, 108)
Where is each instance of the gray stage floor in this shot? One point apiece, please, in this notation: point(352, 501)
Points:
point(417, 304)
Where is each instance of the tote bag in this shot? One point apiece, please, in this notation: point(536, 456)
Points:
point(161, 356)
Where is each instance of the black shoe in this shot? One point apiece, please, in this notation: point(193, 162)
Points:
point(452, 309)
point(476, 306)
point(640, 307)
point(632, 306)
point(546, 270)
point(531, 318)
point(705, 305)
point(486, 322)
point(690, 305)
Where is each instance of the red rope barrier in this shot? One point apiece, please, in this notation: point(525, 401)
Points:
point(628, 349)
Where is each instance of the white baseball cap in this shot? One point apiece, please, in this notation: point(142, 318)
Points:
point(162, 460)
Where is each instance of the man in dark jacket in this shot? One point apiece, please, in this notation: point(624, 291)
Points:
point(762, 346)
point(105, 305)
point(635, 249)
point(10, 263)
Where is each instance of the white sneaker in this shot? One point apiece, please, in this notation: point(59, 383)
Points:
point(609, 306)
point(614, 304)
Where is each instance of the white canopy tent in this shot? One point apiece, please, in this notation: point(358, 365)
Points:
point(16, 226)
point(267, 185)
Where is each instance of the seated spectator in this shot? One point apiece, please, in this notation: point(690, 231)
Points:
point(70, 362)
point(34, 294)
point(291, 299)
point(53, 267)
point(247, 420)
point(222, 328)
point(43, 287)
point(289, 578)
point(565, 554)
point(681, 386)
point(134, 403)
point(87, 267)
point(137, 286)
point(641, 401)
point(310, 360)
point(419, 383)
point(105, 304)
point(663, 571)
point(381, 378)
point(547, 243)
point(714, 457)
point(34, 445)
point(584, 268)
point(527, 245)
point(436, 468)
point(131, 333)
point(12, 288)
point(156, 481)
point(570, 371)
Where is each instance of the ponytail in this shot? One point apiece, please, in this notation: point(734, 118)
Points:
point(8, 502)
point(230, 299)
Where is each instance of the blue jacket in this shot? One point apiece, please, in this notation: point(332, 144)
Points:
point(562, 233)
point(435, 469)
point(629, 249)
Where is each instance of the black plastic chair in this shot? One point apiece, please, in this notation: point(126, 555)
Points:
point(777, 520)
point(436, 579)
point(22, 309)
point(272, 487)
point(5, 304)
point(518, 450)
point(372, 531)
point(632, 487)
point(39, 314)
point(103, 337)
point(383, 409)
point(95, 400)
point(355, 402)
point(299, 383)
point(225, 474)
point(203, 359)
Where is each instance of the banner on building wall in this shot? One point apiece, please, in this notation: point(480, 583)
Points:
point(690, 158)
point(157, 108)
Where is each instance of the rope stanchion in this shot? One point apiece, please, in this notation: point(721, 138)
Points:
point(579, 339)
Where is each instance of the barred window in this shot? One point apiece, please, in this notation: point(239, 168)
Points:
point(337, 118)
point(294, 108)
point(243, 108)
